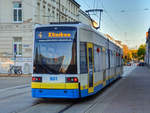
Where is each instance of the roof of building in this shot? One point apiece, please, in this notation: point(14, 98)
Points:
point(73, 1)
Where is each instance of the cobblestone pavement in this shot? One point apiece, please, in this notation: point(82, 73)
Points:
point(131, 96)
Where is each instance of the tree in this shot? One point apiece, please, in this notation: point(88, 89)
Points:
point(127, 54)
point(134, 54)
point(141, 52)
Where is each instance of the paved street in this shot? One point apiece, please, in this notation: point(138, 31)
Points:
point(7, 82)
point(127, 95)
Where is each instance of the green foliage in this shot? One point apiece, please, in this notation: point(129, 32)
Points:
point(141, 52)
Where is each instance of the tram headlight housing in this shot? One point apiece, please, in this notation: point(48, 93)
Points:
point(36, 79)
point(72, 79)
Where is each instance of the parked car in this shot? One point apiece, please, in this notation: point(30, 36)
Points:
point(128, 64)
point(141, 64)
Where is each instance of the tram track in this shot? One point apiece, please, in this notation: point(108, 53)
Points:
point(99, 98)
point(7, 92)
point(66, 104)
point(41, 101)
point(103, 95)
point(69, 104)
point(66, 108)
point(13, 95)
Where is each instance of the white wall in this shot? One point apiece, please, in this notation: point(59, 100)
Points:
point(6, 11)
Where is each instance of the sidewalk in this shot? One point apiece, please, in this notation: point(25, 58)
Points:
point(132, 95)
point(15, 75)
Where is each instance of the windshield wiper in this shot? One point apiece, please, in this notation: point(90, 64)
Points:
point(54, 71)
point(47, 70)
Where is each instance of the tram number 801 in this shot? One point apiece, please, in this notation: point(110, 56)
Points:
point(53, 78)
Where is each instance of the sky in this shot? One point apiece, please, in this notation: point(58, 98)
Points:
point(124, 20)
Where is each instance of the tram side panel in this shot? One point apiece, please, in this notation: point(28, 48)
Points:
point(116, 62)
point(107, 67)
point(103, 71)
point(84, 36)
point(119, 62)
point(111, 47)
point(99, 77)
point(99, 68)
point(101, 43)
point(83, 70)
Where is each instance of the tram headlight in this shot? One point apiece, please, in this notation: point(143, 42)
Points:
point(72, 79)
point(36, 79)
point(75, 79)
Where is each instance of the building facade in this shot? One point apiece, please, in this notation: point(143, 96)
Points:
point(147, 56)
point(17, 21)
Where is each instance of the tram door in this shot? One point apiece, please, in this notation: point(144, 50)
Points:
point(90, 59)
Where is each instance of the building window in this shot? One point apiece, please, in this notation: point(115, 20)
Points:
point(57, 16)
point(53, 13)
point(38, 4)
point(63, 9)
point(62, 18)
point(49, 10)
point(17, 12)
point(17, 46)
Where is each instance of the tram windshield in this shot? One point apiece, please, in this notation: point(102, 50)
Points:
point(55, 57)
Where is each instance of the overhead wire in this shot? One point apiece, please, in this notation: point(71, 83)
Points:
point(94, 4)
point(131, 11)
point(85, 4)
point(113, 20)
point(106, 12)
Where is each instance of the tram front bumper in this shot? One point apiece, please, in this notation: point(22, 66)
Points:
point(55, 90)
point(55, 93)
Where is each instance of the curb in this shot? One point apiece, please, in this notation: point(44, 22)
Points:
point(14, 75)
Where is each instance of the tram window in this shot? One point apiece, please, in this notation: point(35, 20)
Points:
point(101, 59)
point(107, 64)
point(83, 58)
point(59, 58)
point(97, 59)
point(90, 56)
point(111, 58)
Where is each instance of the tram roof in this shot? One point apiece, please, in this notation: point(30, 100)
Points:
point(75, 24)
point(78, 25)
